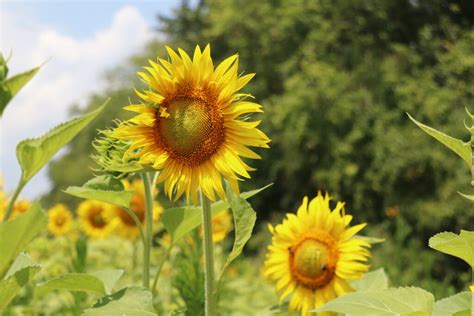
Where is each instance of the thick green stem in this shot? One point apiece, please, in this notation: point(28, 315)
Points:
point(148, 230)
point(208, 255)
point(12, 202)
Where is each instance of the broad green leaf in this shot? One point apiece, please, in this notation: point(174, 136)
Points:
point(458, 304)
point(20, 273)
point(33, 154)
point(79, 282)
point(17, 233)
point(467, 196)
point(373, 280)
point(131, 301)
point(104, 188)
point(389, 302)
point(11, 86)
point(370, 240)
point(461, 246)
point(108, 277)
point(459, 147)
point(244, 221)
point(3, 68)
point(179, 221)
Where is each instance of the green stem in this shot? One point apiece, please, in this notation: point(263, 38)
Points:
point(208, 255)
point(148, 230)
point(12, 201)
point(157, 276)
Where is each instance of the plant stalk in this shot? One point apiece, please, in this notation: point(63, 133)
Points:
point(208, 256)
point(12, 202)
point(148, 230)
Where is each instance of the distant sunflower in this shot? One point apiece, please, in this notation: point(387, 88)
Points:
point(125, 224)
point(93, 221)
point(222, 224)
point(190, 124)
point(314, 253)
point(20, 207)
point(60, 220)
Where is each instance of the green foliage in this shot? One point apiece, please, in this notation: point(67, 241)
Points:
point(33, 154)
point(401, 301)
point(457, 305)
point(244, 222)
point(103, 188)
point(131, 301)
point(17, 233)
point(18, 275)
point(373, 280)
point(11, 86)
point(179, 221)
point(462, 149)
point(99, 283)
point(461, 246)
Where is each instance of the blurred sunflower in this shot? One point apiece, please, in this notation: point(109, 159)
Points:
point(125, 223)
point(20, 207)
point(93, 219)
point(60, 220)
point(190, 124)
point(222, 224)
point(314, 253)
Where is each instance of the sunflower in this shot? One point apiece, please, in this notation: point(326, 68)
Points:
point(93, 221)
point(125, 223)
point(60, 220)
point(20, 207)
point(314, 253)
point(221, 225)
point(190, 125)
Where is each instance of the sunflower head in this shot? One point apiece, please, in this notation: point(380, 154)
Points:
point(94, 222)
point(314, 253)
point(125, 224)
point(60, 220)
point(190, 125)
point(20, 207)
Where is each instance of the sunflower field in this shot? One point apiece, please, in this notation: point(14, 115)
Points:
point(256, 158)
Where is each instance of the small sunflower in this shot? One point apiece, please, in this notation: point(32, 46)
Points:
point(125, 223)
point(20, 207)
point(93, 219)
point(314, 253)
point(60, 220)
point(190, 125)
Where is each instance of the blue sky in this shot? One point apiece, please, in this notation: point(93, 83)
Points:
point(80, 40)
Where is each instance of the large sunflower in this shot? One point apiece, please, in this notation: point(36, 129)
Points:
point(60, 220)
point(125, 223)
point(93, 219)
point(190, 124)
point(314, 253)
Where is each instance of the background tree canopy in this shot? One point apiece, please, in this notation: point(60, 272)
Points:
point(336, 79)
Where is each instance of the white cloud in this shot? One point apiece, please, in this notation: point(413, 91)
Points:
point(73, 71)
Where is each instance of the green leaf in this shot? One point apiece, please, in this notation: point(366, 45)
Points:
point(244, 221)
point(373, 280)
point(33, 154)
point(131, 301)
point(104, 188)
point(459, 147)
point(3, 68)
point(17, 233)
point(179, 221)
point(467, 196)
point(11, 86)
point(80, 282)
point(461, 246)
point(100, 282)
point(401, 301)
point(458, 304)
point(20, 273)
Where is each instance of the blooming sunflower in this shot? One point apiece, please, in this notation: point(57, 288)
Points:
point(60, 220)
point(93, 221)
point(314, 253)
point(20, 207)
point(190, 124)
point(125, 223)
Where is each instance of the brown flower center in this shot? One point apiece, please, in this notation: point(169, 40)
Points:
point(313, 260)
point(96, 219)
point(192, 132)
